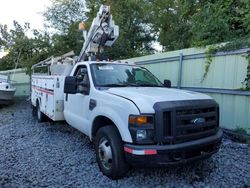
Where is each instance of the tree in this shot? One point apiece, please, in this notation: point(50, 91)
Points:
point(22, 50)
point(172, 22)
point(221, 21)
point(71, 40)
point(62, 14)
point(187, 23)
point(135, 33)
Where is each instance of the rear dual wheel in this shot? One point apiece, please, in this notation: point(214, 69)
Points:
point(39, 115)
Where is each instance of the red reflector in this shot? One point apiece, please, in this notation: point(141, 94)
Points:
point(150, 152)
point(128, 150)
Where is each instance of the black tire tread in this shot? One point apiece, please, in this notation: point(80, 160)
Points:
point(42, 119)
point(119, 166)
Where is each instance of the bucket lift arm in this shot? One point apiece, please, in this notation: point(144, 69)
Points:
point(103, 32)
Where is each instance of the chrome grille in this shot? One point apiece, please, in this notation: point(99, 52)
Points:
point(184, 126)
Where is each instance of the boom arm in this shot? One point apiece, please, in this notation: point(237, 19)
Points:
point(103, 32)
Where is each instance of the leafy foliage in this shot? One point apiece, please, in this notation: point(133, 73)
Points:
point(226, 47)
point(71, 40)
point(183, 24)
point(64, 13)
point(221, 21)
point(246, 82)
point(22, 51)
point(172, 22)
point(135, 37)
point(209, 55)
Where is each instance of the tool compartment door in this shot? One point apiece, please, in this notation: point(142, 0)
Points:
point(48, 96)
point(58, 98)
point(43, 91)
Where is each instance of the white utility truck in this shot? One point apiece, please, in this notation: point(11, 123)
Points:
point(132, 118)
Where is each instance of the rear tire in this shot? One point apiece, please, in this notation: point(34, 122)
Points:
point(33, 110)
point(109, 153)
point(40, 116)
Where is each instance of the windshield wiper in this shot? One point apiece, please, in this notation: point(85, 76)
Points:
point(149, 85)
point(113, 85)
point(143, 85)
point(130, 84)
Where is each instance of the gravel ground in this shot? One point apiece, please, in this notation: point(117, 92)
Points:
point(55, 155)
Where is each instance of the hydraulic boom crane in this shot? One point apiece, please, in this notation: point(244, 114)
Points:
point(103, 32)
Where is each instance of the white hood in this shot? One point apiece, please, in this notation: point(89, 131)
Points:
point(146, 97)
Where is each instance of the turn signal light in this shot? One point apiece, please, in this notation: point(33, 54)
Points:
point(138, 120)
point(142, 119)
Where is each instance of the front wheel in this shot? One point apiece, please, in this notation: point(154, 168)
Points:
point(109, 153)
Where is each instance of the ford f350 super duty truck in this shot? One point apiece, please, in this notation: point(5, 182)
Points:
point(132, 118)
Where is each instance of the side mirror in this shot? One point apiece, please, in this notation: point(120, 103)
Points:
point(70, 85)
point(167, 83)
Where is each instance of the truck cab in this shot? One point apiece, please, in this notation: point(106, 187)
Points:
point(135, 120)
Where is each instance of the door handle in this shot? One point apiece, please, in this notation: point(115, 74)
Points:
point(66, 97)
point(92, 104)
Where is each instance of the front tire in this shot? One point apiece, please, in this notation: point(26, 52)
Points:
point(109, 153)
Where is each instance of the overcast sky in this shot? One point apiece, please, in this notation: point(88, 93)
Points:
point(23, 11)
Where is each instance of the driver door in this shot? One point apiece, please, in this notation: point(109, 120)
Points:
point(77, 105)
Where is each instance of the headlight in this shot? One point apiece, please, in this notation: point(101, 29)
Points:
point(141, 135)
point(141, 128)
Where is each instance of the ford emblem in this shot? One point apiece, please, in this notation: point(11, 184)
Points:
point(198, 121)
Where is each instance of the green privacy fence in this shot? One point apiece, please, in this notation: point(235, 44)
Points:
point(20, 80)
point(185, 68)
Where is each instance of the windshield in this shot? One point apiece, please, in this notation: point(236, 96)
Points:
point(115, 75)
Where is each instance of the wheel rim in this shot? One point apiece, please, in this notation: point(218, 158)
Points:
point(105, 153)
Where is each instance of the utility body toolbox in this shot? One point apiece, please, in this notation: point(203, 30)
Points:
point(47, 91)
